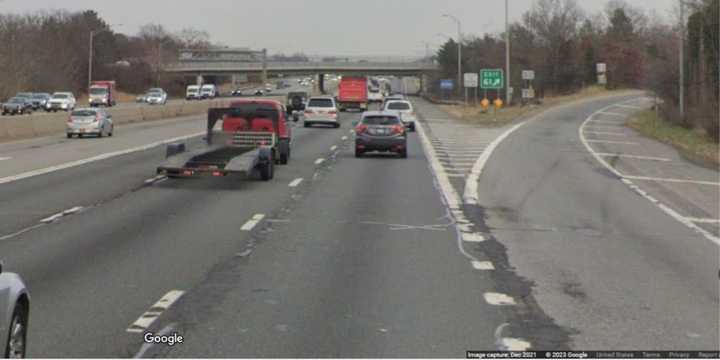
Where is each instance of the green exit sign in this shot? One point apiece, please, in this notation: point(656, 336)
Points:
point(491, 79)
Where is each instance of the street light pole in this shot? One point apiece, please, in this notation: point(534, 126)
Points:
point(90, 58)
point(682, 60)
point(459, 75)
point(507, 55)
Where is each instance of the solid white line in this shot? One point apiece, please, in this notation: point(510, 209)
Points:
point(5, 158)
point(295, 182)
point(73, 210)
point(333, 148)
point(344, 138)
point(605, 133)
point(703, 221)
point(686, 181)
point(652, 158)
point(52, 218)
point(146, 319)
point(250, 224)
point(50, 169)
point(612, 142)
point(471, 185)
point(672, 213)
point(483, 265)
point(319, 161)
point(498, 299)
point(513, 344)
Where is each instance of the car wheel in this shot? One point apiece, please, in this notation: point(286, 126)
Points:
point(80, 136)
point(17, 335)
point(69, 136)
point(358, 153)
point(266, 170)
point(100, 133)
point(284, 155)
point(336, 125)
point(412, 127)
point(110, 134)
point(403, 154)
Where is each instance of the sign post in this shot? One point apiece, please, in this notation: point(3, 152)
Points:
point(602, 73)
point(471, 81)
point(446, 85)
point(528, 92)
point(492, 79)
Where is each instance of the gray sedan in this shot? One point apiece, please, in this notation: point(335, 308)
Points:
point(380, 131)
point(92, 121)
point(14, 315)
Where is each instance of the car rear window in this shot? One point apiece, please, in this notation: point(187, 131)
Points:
point(323, 103)
point(398, 106)
point(83, 113)
point(60, 96)
point(381, 120)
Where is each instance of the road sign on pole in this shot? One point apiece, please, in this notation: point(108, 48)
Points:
point(492, 79)
point(528, 75)
point(470, 80)
point(446, 84)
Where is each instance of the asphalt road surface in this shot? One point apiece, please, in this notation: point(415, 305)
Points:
point(346, 257)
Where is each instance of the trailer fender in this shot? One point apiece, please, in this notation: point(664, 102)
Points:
point(174, 149)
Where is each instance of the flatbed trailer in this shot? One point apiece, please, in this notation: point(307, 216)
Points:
point(227, 153)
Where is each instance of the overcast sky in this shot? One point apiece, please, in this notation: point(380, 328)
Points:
point(328, 27)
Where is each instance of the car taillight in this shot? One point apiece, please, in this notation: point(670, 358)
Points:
point(332, 112)
point(361, 129)
point(308, 111)
point(398, 129)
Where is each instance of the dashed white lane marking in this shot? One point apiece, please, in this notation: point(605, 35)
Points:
point(3, 158)
point(612, 142)
point(155, 179)
point(146, 319)
point(639, 157)
point(333, 148)
point(672, 213)
point(499, 299)
point(483, 265)
point(59, 215)
point(250, 224)
point(612, 113)
point(513, 344)
point(295, 182)
point(109, 155)
point(319, 161)
point(473, 237)
point(344, 138)
point(605, 133)
point(703, 221)
point(686, 181)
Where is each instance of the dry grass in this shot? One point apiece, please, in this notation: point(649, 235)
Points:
point(504, 116)
point(695, 144)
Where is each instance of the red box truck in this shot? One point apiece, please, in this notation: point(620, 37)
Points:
point(352, 93)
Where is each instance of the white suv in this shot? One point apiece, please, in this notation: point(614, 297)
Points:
point(405, 108)
point(321, 110)
point(61, 101)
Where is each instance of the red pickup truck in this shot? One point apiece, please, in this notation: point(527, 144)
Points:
point(352, 93)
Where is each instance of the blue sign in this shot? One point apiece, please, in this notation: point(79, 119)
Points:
point(446, 84)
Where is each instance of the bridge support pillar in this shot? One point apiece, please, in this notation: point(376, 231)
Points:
point(423, 84)
point(321, 83)
point(199, 80)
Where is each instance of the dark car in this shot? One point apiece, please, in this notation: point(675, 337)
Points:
point(296, 101)
point(380, 131)
point(17, 105)
point(39, 100)
point(237, 92)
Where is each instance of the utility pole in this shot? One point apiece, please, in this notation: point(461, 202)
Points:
point(264, 65)
point(507, 56)
point(682, 60)
point(459, 75)
point(90, 58)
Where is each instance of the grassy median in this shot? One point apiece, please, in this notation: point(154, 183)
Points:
point(694, 144)
point(474, 114)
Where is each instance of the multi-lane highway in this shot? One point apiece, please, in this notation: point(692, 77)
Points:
point(507, 238)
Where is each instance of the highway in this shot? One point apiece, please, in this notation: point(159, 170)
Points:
point(338, 256)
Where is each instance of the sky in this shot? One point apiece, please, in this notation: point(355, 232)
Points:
point(317, 27)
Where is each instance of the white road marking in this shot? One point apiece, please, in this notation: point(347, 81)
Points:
point(610, 122)
point(456, 175)
point(51, 218)
point(483, 265)
point(672, 213)
point(498, 299)
point(612, 113)
point(513, 344)
point(451, 198)
point(3, 158)
point(605, 133)
point(473, 237)
point(105, 156)
point(344, 138)
point(639, 157)
point(612, 142)
point(250, 224)
point(629, 106)
point(319, 161)
point(146, 319)
point(333, 148)
point(471, 185)
point(73, 210)
point(703, 221)
point(295, 182)
point(155, 179)
point(686, 181)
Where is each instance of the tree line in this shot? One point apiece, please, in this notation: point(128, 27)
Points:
point(562, 44)
point(49, 51)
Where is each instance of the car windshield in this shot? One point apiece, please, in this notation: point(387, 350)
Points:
point(398, 106)
point(84, 113)
point(479, 179)
point(320, 103)
point(381, 120)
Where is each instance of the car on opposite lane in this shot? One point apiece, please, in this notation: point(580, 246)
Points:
point(17, 105)
point(61, 101)
point(156, 97)
point(89, 121)
point(14, 315)
point(405, 109)
point(380, 131)
point(321, 110)
point(40, 100)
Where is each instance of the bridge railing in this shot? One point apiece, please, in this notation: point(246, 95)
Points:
point(309, 65)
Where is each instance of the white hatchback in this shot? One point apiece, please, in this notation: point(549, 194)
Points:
point(321, 110)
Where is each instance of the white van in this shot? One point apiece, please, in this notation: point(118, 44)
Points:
point(208, 91)
point(193, 92)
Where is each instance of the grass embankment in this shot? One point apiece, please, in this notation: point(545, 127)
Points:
point(504, 116)
point(694, 144)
